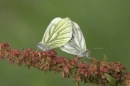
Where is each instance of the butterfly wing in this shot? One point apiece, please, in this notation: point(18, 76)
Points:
point(58, 33)
point(77, 43)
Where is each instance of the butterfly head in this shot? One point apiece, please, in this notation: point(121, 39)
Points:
point(41, 46)
point(87, 53)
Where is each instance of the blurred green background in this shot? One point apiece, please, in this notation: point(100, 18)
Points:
point(102, 22)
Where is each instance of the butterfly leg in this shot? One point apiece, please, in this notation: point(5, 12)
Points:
point(77, 57)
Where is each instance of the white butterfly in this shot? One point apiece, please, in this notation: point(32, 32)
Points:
point(76, 45)
point(57, 34)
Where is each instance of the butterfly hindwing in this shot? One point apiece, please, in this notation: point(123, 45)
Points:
point(77, 43)
point(58, 33)
point(78, 37)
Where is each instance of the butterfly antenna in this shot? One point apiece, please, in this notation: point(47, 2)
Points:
point(32, 39)
point(99, 48)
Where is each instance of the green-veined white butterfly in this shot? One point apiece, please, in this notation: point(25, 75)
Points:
point(76, 45)
point(57, 34)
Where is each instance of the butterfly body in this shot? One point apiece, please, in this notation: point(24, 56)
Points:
point(42, 47)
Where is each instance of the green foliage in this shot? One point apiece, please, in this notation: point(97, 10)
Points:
point(101, 21)
point(110, 79)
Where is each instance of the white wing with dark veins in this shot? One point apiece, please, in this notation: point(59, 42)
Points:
point(76, 45)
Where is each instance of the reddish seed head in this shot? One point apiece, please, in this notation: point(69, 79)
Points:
point(11, 61)
point(92, 72)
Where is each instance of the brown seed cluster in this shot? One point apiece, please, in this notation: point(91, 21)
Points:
point(91, 72)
